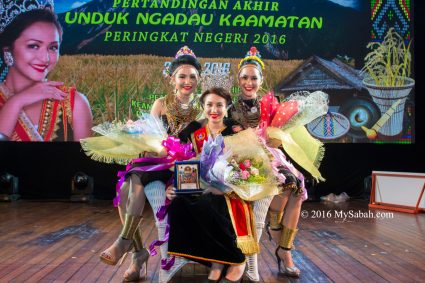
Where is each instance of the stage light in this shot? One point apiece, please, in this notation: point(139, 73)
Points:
point(82, 187)
point(8, 187)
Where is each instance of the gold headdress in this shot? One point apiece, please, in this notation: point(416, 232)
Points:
point(252, 55)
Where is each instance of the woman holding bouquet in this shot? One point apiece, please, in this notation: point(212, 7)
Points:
point(176, 110)
point(284, 208)
point(202, 228)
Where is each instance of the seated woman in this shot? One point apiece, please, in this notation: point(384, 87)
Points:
point(202, 227)
point(176, 109)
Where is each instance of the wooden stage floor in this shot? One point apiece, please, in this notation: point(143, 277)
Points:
point(61, 241)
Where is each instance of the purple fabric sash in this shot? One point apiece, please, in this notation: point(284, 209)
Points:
point(175, 151)
point(166, 264)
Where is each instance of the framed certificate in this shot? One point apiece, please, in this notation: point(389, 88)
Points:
point(187, 177)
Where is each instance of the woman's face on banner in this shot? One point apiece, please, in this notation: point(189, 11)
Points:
point(249, 80)
point(36, 51)
point(214, 108)
point(186, 80)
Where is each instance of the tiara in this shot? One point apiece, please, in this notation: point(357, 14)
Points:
point(10, 9)
point(185, 50)
point(216, 80)
point(252, 54)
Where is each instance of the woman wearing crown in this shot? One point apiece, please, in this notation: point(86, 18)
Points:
point(284, 208)
point(210, 228)
point(32, 108)
point(176, 110)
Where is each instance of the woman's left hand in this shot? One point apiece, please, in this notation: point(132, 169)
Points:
point(171, 193)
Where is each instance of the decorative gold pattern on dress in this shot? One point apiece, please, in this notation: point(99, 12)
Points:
point(46, 112)
point(203, 258)
point(248, 243)
point(177, 117)
point(46, 118)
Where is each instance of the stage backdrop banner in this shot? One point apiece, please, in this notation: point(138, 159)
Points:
point(114, 52)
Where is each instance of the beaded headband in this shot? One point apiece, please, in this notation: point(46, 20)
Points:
point(254, 55)
point(10, 9)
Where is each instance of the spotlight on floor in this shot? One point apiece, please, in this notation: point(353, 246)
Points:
point(8, 187)
point(81, 187)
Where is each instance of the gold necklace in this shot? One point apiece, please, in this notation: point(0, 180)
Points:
point(179, 117)
point(217, 132)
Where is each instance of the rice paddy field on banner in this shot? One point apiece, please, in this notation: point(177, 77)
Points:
point(121, 87)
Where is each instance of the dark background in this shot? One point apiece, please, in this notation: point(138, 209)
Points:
point(45, 170)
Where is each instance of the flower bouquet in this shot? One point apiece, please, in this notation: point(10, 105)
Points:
point(121, 142)
point(244, 168)
point(285, 122)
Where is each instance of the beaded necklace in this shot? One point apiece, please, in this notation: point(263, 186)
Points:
point(245, 115)
point(179, 115)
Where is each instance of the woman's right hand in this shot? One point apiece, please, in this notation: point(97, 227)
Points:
point(38, 92)
point(9, 112)
point(170, 193)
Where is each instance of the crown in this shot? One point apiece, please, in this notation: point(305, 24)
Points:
point(222, 80)
point(184, 51)
point(252, 54)
point(10, 9)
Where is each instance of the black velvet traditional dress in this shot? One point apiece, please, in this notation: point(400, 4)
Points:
point(200, 225)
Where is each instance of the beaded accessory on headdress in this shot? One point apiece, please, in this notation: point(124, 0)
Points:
point(10, 9)
point(185, 50)
point(252, 54)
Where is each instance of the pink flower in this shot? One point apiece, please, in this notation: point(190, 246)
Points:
point(255, 171)
point(247, 163)
point(245, 175)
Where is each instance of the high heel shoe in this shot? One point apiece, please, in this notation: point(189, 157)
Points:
point(288, 271)
point(138, 259)
point(124, 242)
point(115, 252)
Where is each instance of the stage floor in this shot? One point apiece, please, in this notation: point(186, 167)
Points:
point(61, 241)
